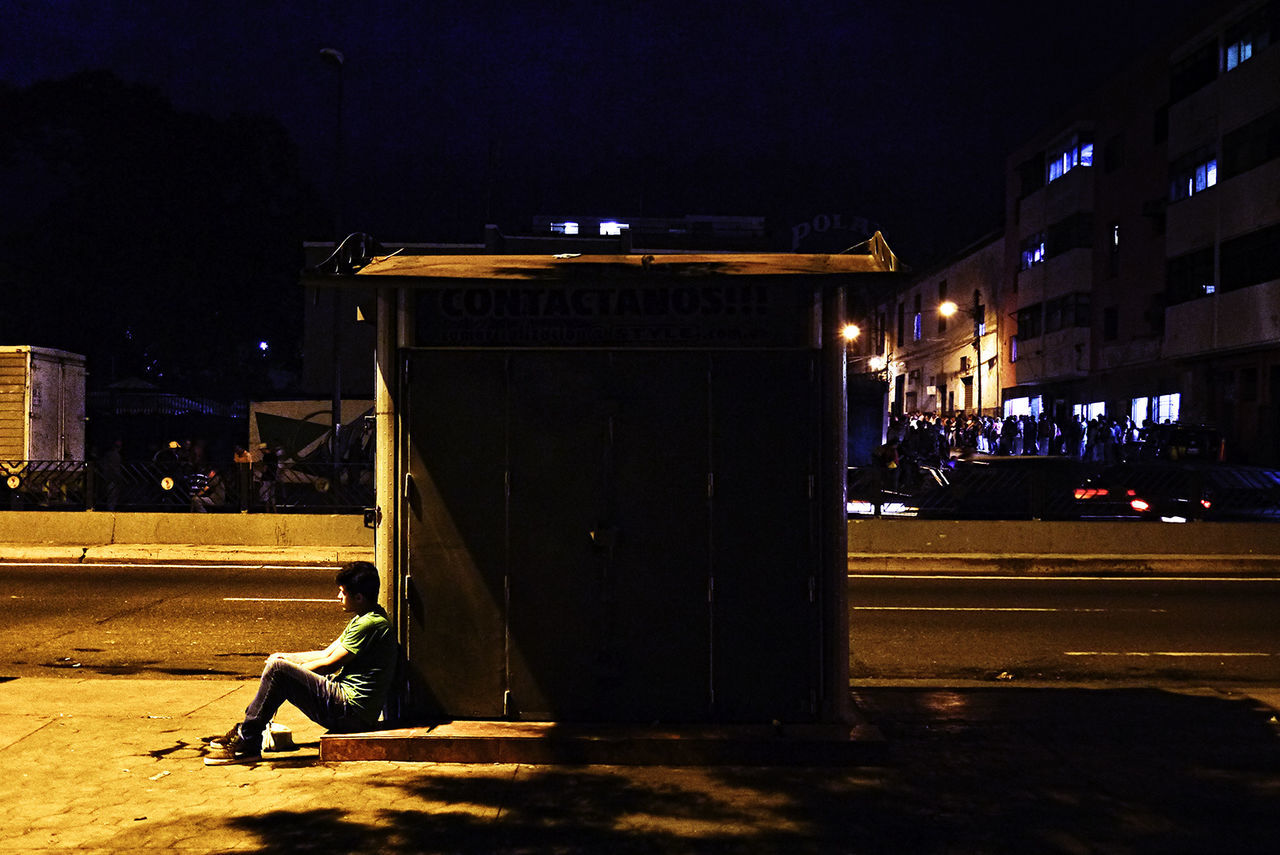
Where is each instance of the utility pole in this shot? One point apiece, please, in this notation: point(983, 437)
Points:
point(335, 58)
point(979, 313)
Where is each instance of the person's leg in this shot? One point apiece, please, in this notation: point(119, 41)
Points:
point(319, 699)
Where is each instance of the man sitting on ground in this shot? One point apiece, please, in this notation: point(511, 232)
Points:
point(342, 687)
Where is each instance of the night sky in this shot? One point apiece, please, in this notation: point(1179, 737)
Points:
point(461, 114)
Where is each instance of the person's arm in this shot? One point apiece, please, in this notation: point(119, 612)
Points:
point(319, 661)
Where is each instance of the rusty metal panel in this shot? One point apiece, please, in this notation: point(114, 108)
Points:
point(455, 598)
point(609, 536)
point(766, 447)
point(13, 404)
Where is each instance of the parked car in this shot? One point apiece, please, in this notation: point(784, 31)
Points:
point(871, 494)
point(1181, 442)
point(1180, 491)
point(1008, 488)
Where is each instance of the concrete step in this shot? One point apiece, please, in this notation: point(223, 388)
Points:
point(554, 743)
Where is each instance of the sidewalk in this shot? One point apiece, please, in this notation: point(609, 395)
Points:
point(114, 765)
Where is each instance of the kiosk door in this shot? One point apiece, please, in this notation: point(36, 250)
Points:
point(624, 535)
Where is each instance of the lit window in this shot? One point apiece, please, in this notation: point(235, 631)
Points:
point(1019, 406)
point(565, 228)
point(1165, 407)
point(1067, 157)
point(610, 228)
point(1033, 251)
point(1194, 178)
point(1239, 52)
point(1206, 176)
point(917, 328)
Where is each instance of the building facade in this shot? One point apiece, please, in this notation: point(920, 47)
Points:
point(1141, 243)
point(938, 341)
point(1140, 271)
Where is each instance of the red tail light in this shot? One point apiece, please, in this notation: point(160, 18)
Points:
point(1091, 492)
point(1140, 504)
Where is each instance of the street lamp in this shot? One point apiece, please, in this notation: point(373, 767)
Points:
point(978, 313)
point(334, 57)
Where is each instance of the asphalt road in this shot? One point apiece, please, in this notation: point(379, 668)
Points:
point(155, 620)
point(1153, 630)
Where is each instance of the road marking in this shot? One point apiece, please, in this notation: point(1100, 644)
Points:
point(991, 609)
point(1175, 653)
point(1015, 578)
point(277, 600)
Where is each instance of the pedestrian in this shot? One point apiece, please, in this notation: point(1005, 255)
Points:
point(269, 475)
point(112, 472)
point(887, 464)
point(208, 491)
point(1044, 435)
point(342, 687)
point(1074, 437)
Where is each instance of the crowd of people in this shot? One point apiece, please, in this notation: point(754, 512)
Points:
point(933, 439)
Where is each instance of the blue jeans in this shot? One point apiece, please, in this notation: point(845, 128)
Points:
point(319, 698)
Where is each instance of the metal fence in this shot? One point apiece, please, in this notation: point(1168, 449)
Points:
point(1064, 488)
point(77, 485)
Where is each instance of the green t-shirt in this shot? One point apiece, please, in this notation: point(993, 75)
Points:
point(366, 678)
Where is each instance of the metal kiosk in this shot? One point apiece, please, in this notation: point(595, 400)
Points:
point(615, 487)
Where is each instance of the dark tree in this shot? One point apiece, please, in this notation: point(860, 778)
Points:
point(164, 245)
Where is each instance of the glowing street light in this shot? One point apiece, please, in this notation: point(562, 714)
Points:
point(978, 313)
point(850, 332)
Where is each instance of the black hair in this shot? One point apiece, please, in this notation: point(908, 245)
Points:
point(359, 577)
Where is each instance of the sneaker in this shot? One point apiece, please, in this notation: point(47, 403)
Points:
point(236, 749)
point(224, 741)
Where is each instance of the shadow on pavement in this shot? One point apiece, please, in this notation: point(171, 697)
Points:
point(969, 770)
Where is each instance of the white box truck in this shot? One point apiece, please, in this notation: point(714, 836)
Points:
point(41, 404)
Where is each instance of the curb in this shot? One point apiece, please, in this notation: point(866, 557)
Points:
point(184, 554)
point(1049, 565)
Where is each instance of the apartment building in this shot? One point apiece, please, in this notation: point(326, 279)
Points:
point(1221, 343)
point(1141, 252)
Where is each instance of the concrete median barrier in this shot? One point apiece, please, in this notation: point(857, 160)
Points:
point(1019, 547)
point(264, 538)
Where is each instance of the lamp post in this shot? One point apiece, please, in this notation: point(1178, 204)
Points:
point(978, 313)
point(334, 57)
